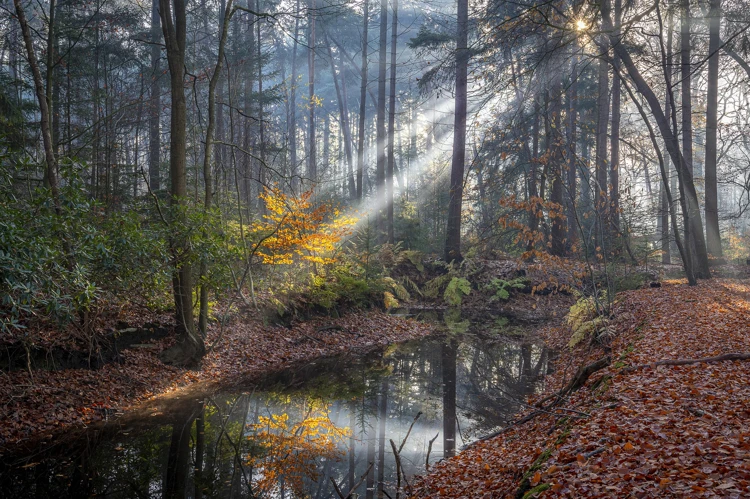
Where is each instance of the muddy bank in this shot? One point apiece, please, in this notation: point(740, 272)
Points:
point(43, 403)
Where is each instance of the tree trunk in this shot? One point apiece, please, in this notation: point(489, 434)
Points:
point(392, 124)
point(448, 364)
point(207, 153)
point(154, 146)
point(602, 105)
point(713, 237)
point(343, 116)
point(554, 154)
point(312, 167)
point(190, 348)
point(380, 124)
point(292, 120)
point(453, 228)
point(362, 102)
point(382, 418)
point(370, 483)
point(614, 166)
point(533, 220)
point(696, 226)
point(261, 125)
point(572, 159)
point(178, 462)
point(44, 110)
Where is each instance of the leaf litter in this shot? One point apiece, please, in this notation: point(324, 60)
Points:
point(635, 429)
point(51, 402)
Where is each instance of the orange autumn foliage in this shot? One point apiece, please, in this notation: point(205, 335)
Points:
point(299, 229)
point(291, 451)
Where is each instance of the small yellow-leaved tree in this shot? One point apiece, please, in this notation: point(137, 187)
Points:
point(299, 230)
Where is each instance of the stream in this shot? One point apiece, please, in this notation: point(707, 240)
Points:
point(289, 434)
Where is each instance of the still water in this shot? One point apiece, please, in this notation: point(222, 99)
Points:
point(295, 433)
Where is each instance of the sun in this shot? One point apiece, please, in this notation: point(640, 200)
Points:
point(581, 25)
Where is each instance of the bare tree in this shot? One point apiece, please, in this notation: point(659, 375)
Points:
point(155, 100)
point(392, 124)
point(713, 237)
point(380, 120)
point(453, 230)
point(362, 102)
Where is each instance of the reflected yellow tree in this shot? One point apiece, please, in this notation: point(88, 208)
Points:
point(292, 452)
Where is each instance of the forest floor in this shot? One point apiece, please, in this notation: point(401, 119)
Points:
point(635, 429)
point(43, 403)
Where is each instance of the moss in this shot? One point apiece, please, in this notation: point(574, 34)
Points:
point(537, 464)
point(536, 490)
point(602, 384)
point(563, 437)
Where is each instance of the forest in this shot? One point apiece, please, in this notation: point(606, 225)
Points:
point(538, 208)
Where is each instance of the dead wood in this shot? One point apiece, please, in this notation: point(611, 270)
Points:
point(580, 378)
point(349, 494)
point(685, 362)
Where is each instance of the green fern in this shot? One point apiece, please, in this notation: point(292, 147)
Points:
point(415, 257)
point(501, 288)
point(433, 287)
point(411, 284)
point(398, 289)
point(457, 288)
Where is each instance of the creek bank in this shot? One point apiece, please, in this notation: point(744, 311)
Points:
point(40, 404)
point(635, 428)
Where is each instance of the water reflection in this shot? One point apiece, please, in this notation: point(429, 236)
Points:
point(328, 422)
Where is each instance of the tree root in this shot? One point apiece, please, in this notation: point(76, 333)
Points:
point(684, 362)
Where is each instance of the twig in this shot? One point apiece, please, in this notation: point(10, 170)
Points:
point(313, 338)
point(403, 442)
point(337, 489)
point(398, 468)
point(356, 485)
point(429, 449)
point(333, 327)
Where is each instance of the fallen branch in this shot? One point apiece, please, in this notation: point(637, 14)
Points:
point(684, 362)
point(313, 338)
point(333, 327)
point(580, 378)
